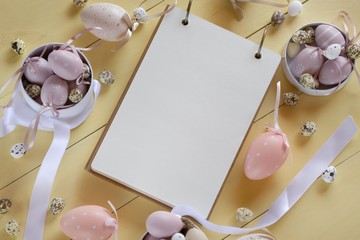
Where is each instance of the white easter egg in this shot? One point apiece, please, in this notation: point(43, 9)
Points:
point(293, 49)
point(66, 64)
point(114, 21)
point(332, 51)
point(195, 234)
point(334, 71)
point(295, 8)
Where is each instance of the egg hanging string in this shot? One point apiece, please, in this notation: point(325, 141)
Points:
point(351, 41)
point(112, 223)
point(30, 134)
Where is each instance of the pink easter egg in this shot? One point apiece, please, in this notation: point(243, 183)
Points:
point(334, 71)
point(309, 60)
point(162, 224)
point(88, 222)
point(265, 156)
point(112, 19)
point(66, 64)
point(54, 91)
point(37, 70)
point(325, 35)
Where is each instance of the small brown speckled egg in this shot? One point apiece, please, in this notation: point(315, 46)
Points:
point(80, 3)
point(243, 214)
point(56, 206)
point(308, 129)
point(18, 46)
point(33, 90)
point(308, 81)
point(310, 34)
point(87, 73)
point(12, 228)
point(300, 37)
point(105, 76)
point(353, 51)
point(5, 205)
point(291, 99)
point(75, 95)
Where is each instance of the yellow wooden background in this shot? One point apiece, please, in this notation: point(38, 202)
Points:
point(326, 211)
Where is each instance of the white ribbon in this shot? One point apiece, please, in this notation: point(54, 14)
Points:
point(19, 113)
point(40, 197)
point(299, 185)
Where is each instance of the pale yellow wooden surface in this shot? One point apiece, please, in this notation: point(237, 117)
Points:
point(324, 212)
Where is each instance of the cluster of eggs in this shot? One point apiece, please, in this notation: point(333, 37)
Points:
point(57, 78)
point(319, 56)
point(162, 225)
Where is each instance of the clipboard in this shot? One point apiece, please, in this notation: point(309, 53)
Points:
point(180, 124)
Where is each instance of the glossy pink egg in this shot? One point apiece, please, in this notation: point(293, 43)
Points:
point(162, 224)
point(325, 35)
point(37, 70)
point(66, 64)
point(309, 60)
point(54, 91)
point(265, 156)
point(334, 71)
point(114, 21)
point(88, 222)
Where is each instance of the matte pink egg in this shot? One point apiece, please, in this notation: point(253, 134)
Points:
point(66, 64)
point(265, 156)
point(113, 20)
point(54, 91)
point(162, 224)
point(325, 35)
point(309, 60)
point(88, 222)
point(334, 71)
point(37, 70)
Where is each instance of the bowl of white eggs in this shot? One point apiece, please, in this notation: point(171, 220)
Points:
point(318, 59)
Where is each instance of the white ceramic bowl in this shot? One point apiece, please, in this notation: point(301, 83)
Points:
point(323, 90)
point(66, 112)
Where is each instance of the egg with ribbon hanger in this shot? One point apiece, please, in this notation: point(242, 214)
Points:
point(90, 222)
point(54, 91)
point(37, 70)
point(309, 60)
point(268, 152)
point(334, 71)
point(114, 23)
point(66, 63)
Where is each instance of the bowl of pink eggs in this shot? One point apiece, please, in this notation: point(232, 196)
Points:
point(59, 78)
point(319, 59)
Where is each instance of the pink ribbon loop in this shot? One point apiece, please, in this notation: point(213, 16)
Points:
point(348, 23)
